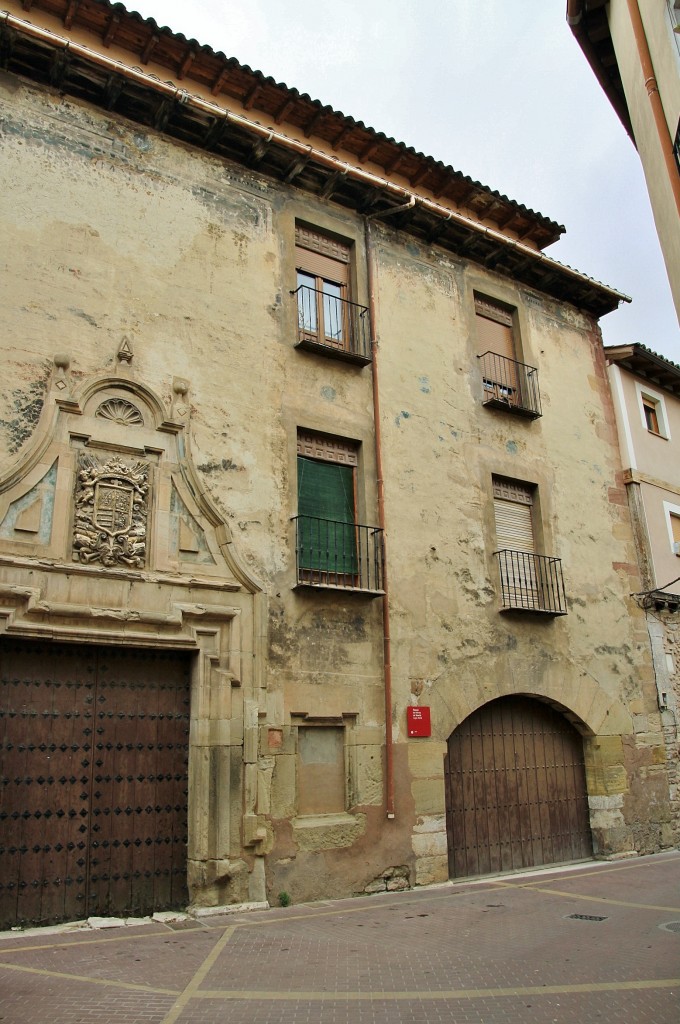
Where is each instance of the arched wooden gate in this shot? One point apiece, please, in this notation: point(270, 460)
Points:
point(515, 789)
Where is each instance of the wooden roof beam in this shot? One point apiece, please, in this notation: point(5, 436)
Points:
point(71, 12)
point(149, 46)
point(284, 110)
point(437, 230)
point(7, 40)
point(112, 90)
point(251, 96)
point(295, 168)
point(346, 131)
point(162, 115)
point(216, 87)
point(111, 29)
point(311, 126)
point(332, 183)
point(189, 59)
point(394, 164)
point(59, 65)
point(215, 133)
point(260, 147)
point(420, 176)
point(368, 151)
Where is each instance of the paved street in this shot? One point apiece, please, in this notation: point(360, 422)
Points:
point(599, 943)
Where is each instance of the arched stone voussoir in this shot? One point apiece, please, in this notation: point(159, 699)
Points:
point(579, 698)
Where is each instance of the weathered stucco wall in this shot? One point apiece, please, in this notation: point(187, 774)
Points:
point(115, 232)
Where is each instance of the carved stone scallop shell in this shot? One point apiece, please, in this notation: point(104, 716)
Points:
point(120, 411)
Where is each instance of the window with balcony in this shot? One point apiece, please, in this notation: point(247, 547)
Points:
point(328, 321)
point(529, 581)
point(507, 383)
point(332, 548)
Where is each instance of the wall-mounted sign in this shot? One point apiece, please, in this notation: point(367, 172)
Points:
point(418, 721)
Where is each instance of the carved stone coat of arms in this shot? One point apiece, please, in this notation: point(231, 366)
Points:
point(111, 512)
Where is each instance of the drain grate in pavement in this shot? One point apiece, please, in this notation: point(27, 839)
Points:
point(183, 926)
point(671, 926)
point(584, 917)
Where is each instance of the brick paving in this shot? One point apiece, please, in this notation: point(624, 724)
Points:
point(493, 951)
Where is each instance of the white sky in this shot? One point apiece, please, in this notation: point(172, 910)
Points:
point(501, 91)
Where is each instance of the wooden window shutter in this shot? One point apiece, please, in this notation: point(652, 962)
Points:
point(326, 531)
point(494, 328)
point(675, 528)
point(330, 449)
point(513, 513)
point(325, 490)
point(321, 256)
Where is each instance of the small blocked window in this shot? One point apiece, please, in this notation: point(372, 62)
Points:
point(321, 770)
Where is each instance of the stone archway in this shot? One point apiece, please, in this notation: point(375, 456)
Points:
point(515, 789)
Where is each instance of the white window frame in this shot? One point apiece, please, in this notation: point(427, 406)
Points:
point(673, 9)
point(643, 392)
point(671, 510)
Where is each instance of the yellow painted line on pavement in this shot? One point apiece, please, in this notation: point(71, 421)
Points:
point(603, 900)
point(91, 981)
point(129, 935)
point(436, 996)
point(606, 868)
point(191, 989)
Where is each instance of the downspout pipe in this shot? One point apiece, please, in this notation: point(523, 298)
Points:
point(652, 89)
point(387, 640)
point(407, 197)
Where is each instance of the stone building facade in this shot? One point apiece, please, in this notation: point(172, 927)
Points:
point(315, 550)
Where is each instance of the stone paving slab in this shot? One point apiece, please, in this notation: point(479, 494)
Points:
point(504, 949)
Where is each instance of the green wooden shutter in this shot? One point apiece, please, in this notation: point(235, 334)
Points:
point(326, 535)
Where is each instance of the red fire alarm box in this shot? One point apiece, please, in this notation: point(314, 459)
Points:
point(418, 721)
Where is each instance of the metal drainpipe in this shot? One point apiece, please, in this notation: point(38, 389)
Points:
point(191, 99)
point(387, 643)
point(652, 88)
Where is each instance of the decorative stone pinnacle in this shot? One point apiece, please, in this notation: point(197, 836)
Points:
point(125, 352)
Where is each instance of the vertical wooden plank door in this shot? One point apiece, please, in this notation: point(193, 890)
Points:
point(515, 790)
point(94, 771)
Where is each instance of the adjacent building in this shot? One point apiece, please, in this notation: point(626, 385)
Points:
point(633, 46)
point(646, 392)
point(316, 558)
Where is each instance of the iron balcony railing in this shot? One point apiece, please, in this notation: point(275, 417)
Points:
point(532, 583)
point(336, 554)
point(510, 385)
point(334, 326)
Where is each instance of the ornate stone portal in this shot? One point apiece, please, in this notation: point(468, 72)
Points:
point(107, 536)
